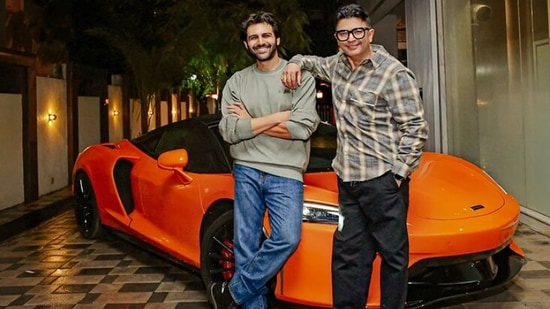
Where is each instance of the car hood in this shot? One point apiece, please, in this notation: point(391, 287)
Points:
point(449, 188)
point(323, 180)
point(321, 187)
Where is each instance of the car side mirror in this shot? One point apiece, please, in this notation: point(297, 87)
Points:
point(175, 160)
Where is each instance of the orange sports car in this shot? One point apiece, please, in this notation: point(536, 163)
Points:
point(171, 190)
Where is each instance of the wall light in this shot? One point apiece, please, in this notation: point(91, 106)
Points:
point(52, 117)
point(116, 113)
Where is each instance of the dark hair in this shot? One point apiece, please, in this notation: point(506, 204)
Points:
point(258, 18)
point(350, 11)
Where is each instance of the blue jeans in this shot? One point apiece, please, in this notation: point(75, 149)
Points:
point(258, 262)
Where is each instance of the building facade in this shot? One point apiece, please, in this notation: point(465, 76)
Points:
point(483, 66)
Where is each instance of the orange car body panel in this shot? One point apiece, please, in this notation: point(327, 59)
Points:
point(450, 229)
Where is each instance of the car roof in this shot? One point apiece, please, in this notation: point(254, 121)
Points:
point(207, 120)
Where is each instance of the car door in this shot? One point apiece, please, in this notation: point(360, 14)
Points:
point(169, 210)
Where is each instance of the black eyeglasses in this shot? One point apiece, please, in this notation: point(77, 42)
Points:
point(358, 33)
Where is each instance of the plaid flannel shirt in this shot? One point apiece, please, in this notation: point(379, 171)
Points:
point(379, 114)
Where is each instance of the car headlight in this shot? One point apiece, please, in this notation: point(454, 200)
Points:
point(319, 213)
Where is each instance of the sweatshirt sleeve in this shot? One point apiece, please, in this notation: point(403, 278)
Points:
point(233, 129)
point(304, 119)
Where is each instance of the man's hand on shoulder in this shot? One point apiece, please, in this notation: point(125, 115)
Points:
point(291, 76)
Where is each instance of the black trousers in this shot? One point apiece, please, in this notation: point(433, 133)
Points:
point(373, 219)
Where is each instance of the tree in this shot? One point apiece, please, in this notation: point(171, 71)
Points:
point(161, 42)
point(204, 73)
point(60, 31)
point(218, 39)
point(151, 39)
point(216, 24)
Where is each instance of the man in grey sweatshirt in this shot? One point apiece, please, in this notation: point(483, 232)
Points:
point(268, 127)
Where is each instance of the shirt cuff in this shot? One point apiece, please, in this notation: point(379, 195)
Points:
point(401, 169)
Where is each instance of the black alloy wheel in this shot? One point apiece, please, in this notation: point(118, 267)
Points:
point(85, 207)
point(217, 259)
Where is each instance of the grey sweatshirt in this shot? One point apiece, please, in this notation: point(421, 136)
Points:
point(262, 93)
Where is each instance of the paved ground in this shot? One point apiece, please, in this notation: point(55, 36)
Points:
point(47, 264)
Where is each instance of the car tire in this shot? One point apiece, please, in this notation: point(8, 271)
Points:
point(85, 208)
point(217, 259)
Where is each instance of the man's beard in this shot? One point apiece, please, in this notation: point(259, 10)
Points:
point(271, 55)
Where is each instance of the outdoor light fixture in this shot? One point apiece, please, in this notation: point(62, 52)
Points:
point(116, 112)
point(150, 112)
point(52, 117)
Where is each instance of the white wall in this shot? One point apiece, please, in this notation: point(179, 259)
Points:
point(88, 122)
point(164, 113)
point(537, 134)
point(52, 135)
point(11, 152)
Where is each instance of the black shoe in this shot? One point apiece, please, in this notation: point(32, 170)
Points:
point(219, 296)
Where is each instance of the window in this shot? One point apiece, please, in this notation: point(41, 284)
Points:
point(203, 150)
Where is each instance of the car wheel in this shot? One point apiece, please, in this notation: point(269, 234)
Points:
point(217, 259)
point(85, 208)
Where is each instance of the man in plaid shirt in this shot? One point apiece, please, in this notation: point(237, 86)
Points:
point(381, 133)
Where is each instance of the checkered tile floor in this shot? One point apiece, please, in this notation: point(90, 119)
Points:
point(52, 266)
